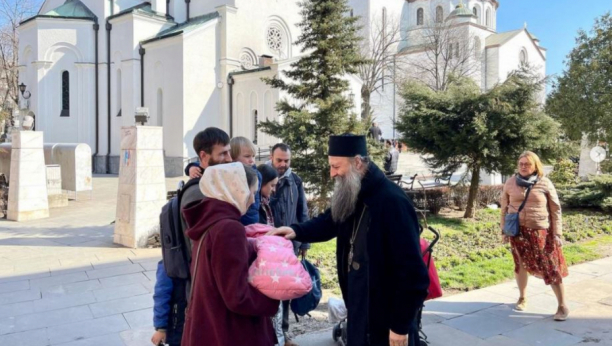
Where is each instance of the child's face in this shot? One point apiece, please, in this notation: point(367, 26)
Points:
point(246, 156)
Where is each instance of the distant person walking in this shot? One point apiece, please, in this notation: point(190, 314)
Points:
point(537, 247)
point(375, 132)
point(391, 158)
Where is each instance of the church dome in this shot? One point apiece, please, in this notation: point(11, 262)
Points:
point(461, 11)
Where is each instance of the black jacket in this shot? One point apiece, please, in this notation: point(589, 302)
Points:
point(289, 204)
point(392, 274)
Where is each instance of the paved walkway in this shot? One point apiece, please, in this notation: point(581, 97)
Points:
point(63, 282)
point(485, 317)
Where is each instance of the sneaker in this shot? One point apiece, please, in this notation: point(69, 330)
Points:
point(561, 314)
point(521, 305)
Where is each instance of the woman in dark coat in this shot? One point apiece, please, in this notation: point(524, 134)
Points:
point(224, 308)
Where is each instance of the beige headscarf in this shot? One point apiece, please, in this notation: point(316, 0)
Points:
point(228, 183)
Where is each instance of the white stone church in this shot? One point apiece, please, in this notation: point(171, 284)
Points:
point(493, 55)
point(90, 63)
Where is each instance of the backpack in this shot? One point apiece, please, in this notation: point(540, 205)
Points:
point(175, 252)
point(302, 306)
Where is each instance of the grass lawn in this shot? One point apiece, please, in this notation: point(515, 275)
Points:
point(470, 254)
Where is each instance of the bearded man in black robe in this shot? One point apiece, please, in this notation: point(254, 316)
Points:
point(381, 272)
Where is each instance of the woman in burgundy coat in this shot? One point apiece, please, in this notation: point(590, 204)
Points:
point(224, 308)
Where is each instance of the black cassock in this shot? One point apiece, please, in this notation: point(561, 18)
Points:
point(386, 281)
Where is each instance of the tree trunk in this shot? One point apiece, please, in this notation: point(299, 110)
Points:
point(470, 210)
point(365, 104)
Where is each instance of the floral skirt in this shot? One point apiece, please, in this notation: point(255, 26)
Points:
point(540, 255)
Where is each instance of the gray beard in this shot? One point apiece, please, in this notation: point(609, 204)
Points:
point(346, 192)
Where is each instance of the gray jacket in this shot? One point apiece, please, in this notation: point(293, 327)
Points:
point(391, 161)
point(289, 204)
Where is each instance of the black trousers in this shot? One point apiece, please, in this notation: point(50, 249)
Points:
point(285, 316)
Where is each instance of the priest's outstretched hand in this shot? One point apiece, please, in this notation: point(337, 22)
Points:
point(286, 232)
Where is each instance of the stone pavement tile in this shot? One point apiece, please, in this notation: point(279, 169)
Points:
point(50, 318)
point(110, 262)
point(461, 304)
point(593, 269)
point(152, 275)
point(77, 287)
point(606, 278)
point(149, 285)
point(575, 277)
point(112, 293)
point(123, 280)
point(65, 301)
point(16, 309)
point(510, 289)
point(142, 337)
point(588, 291)
point(320, 338)
point(536, 334)
point(483, 325)
point(140, 318)
point(119, 306)
point(443, 335)
point(151, 257)
point(87, 329)
point(606, 301)
point(29, 338)
point(24, 275)
point(103, 340)
point(14, 286)
point(547, 304)
point(114, 271)
point(500, 340)
point(19, 296)
point(430, 318)
point(59, 280)
point(593, 319)
point(63, 270)
point(607, 261)
point(507, 311)
point(149, 265)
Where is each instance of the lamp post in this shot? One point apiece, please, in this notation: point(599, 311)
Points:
point(25, 94)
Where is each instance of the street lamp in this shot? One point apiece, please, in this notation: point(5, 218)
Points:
point(22, 88)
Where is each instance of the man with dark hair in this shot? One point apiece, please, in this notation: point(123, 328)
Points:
point(288, 206)
point(213, 148)
point(381, 272)
point(209, 145)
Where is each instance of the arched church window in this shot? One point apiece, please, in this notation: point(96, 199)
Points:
point(160, 107)
point(65, 94)
point(248, 59)
point(352, 14)
point(523, 56)
point(488, 17)
point(275, 39)
point(475, 10)
point(420, 16)
point(450, 50)
point(439, 14)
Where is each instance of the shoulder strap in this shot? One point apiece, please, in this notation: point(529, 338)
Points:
point(195, 268)
point(526, 196)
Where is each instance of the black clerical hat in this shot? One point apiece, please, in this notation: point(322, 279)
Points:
point(347, 145)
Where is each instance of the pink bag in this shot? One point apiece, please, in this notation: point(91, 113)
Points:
point(276, 272)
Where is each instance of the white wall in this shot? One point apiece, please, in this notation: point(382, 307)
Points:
point(201, 96)
point(164, 69)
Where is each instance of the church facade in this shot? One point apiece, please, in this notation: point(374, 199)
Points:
point(90, 63)
point(467, 40)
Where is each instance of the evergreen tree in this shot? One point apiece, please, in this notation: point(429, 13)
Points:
point(318, 89)
point(483, 130)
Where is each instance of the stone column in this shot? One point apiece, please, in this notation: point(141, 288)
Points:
point(28, 183)
point(142, 185)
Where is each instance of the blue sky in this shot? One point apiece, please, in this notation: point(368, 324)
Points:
point(554, 22)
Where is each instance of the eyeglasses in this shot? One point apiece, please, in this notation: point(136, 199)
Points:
point(527, 165)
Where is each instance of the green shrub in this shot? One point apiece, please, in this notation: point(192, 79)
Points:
point(589, 194)
point(606, 166)
point(563, 173)
point(459, 196)
point(606, 205)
